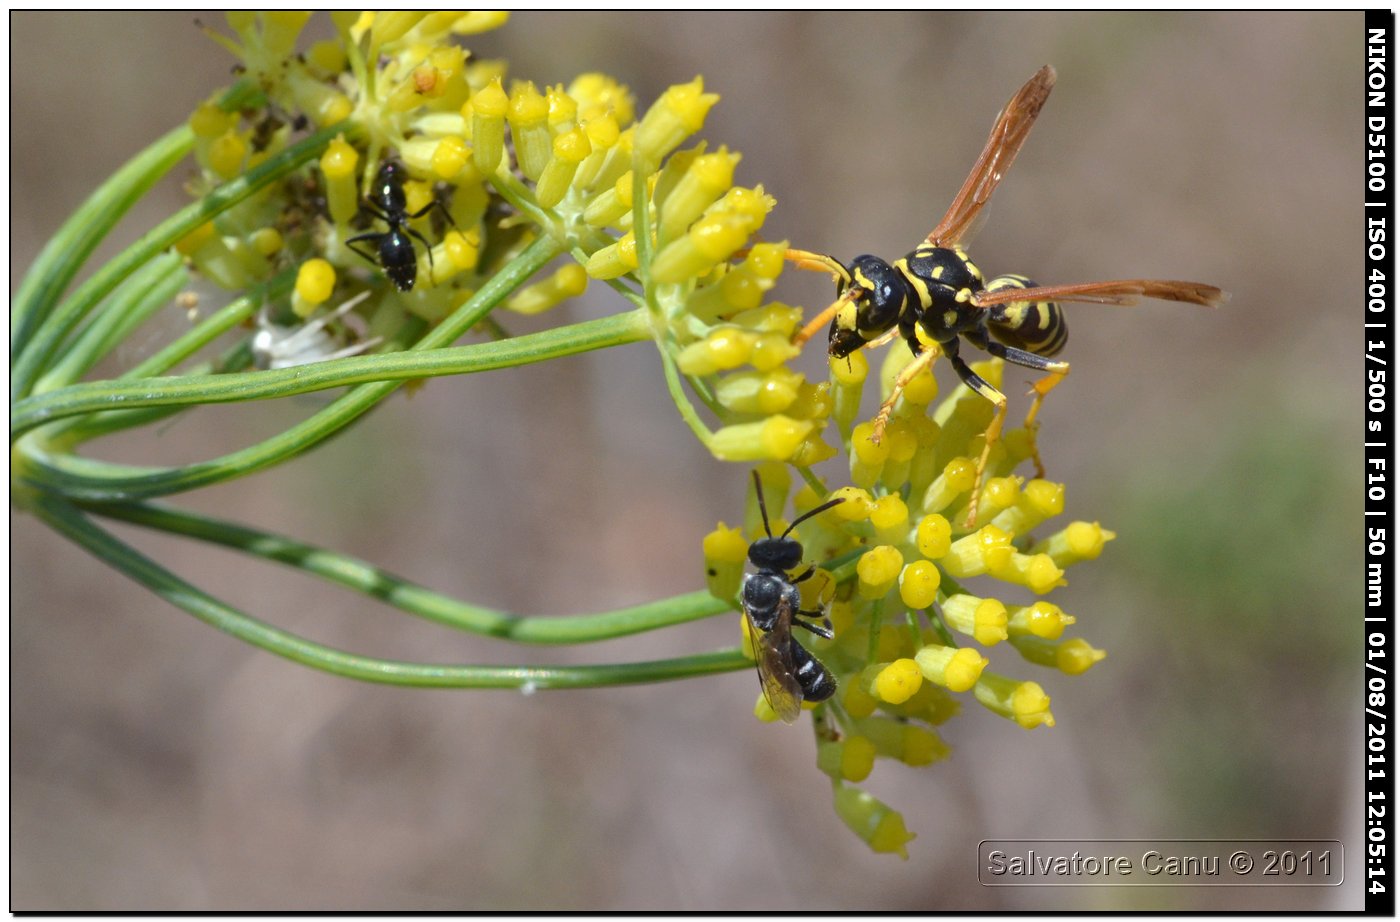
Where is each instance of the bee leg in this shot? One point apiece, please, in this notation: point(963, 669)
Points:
point(821, 630)
point(1057, 372)
point(975, 381)
point(806, 574)
point(921, 362)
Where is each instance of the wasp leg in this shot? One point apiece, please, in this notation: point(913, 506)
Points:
point(975, 381)
point(922, 360)
point(1057, 372)
point(1041, 388)
point(821, 630)
point(815, 325)
point(883, 338)
point(817, 262)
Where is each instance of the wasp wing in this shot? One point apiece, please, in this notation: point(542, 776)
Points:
point(1008, 134)
point(1123, 292)
point(777, 675)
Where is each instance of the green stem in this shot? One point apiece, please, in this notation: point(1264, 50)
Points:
point(52, 271)
point(683, 404)
point(214, 326)
point(30, 362)
point(415, 599)
point(90, 480)
point(145, 292)
point(77, 399)
point(68, 521)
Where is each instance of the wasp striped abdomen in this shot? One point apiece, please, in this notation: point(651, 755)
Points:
point(1035, 326)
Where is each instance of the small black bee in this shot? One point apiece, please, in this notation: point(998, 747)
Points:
point(787, 672)
point(394, 251)
point(936, 296)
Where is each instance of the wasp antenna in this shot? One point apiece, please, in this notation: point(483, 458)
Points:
point(762, 508)
point(811, 512)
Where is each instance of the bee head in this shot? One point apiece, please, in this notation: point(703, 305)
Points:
point(775, 554)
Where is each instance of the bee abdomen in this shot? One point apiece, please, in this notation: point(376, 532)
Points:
point(816, 680)
point(1035, 326)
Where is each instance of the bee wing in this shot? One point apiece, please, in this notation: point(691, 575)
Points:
point(1123, 292)
point(1008, 134)
point(776, 673)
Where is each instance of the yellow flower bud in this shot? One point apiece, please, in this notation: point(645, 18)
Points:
point(955, 668)
point(877, 569)
point(982, 619)
point(918, 584)
point(338, 165)
point(708, 177)
point(710, 241)
point(1043, 619)
point(1076, 542)
point(957, 478)
point(725, 551)
point(679, 113)
point(614, 260)
point(877, 825)
point(1024, 702)
point(772, 439)
point(488, 120)
point(315, 283)
point(897, 682)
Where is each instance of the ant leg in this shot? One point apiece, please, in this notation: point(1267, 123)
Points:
point(435, 203)
point(1057, 372)
point(432, 270)
point(373, 209)
point(911, 371)
point(375, 240)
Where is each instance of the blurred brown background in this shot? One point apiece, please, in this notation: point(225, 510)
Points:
point(157, 764)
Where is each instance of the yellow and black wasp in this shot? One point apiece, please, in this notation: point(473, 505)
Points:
point(935, 295)
point(787, 672)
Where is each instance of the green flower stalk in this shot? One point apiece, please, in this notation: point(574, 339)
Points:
point(511, 198)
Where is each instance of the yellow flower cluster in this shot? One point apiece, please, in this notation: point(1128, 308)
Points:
point(507, 162)
point(912, 642)
point(664, 225)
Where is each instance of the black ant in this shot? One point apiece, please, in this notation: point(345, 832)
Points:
point(394, 249)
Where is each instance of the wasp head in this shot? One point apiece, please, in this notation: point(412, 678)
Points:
point(873, 301)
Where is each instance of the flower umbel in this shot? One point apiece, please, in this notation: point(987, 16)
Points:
point(370, 200)
point(909, 637)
